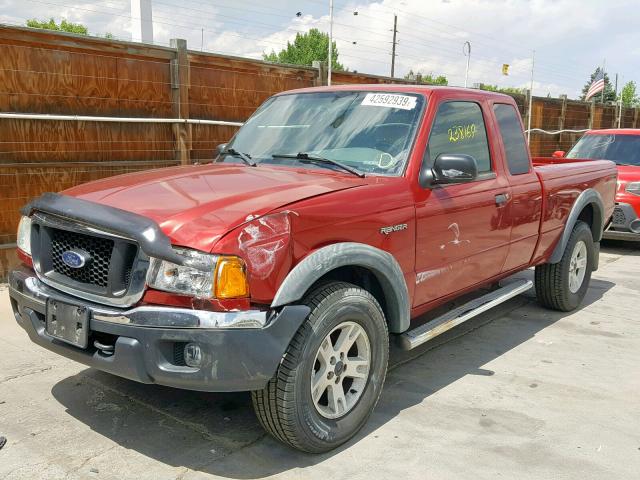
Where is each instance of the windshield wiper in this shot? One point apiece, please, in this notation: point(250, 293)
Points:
point(245, 157)
point(306, 158)
point(625, 164)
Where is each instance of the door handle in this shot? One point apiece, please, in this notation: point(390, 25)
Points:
point(502, 198)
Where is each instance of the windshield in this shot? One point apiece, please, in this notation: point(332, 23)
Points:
point(622, 149)
point(369, 131)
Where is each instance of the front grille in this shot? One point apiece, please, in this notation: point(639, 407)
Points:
point(113, 272)
point(619, 217)
point(96, 271)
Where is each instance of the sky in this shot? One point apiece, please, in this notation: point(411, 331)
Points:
point(570, 37)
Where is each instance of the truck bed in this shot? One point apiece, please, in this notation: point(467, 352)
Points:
point(562, 181)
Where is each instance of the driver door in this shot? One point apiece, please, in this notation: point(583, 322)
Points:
point(462, 233)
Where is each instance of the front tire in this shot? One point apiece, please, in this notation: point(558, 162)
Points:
point(332, 374)
point(563, 285)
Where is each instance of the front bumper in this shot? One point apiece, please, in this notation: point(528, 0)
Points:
point(147, 342)
point(625, 224)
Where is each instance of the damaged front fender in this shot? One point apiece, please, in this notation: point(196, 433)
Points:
point(265, 244)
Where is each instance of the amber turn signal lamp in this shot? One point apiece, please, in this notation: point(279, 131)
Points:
point(231, 278)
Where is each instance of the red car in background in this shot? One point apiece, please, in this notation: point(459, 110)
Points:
point(623, 147)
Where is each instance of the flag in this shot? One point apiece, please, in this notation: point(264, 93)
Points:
point(597, 85)
point(505, 69)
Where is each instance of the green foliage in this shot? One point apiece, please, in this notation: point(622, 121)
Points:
point(307, 47)
point(609, 93)
point(507, 90)
point(109, 36)
point(64, 26)
point(426, 79)
point(629, 96)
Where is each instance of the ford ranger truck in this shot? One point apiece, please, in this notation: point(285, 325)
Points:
point(331, 221)
point(622, 146)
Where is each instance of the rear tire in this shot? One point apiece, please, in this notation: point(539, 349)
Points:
point(343, 346)
point(563, 285)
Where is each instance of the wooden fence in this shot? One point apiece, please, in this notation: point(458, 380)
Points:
point(43, 72)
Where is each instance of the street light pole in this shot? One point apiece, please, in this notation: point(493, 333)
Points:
point(141, 21)
point(330, 42)
point(619, 99)
point(467, 53)
point(533, 62)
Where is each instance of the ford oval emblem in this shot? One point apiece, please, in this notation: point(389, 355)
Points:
point(75, 258)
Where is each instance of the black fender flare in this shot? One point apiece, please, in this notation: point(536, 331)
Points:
point(587, 197)
point(382, 264)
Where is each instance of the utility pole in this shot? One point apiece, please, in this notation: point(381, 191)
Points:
point(393, 45)
point(141, 21)
point(533, 62)
point(330, 42)
point(467, 53)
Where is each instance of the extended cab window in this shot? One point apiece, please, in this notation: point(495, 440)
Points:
point(515, 147)
point(459, 129)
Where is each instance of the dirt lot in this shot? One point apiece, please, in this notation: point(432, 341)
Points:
point(519, 392)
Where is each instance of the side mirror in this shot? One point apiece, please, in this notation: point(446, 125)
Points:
point(558, 154)
point(219, 149)
point(453, 168)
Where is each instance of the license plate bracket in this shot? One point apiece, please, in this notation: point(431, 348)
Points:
point(67, 322)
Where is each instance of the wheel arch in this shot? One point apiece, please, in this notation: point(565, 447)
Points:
point(588, 208)
point(369, 267)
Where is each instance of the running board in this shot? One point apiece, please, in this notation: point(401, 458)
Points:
point(441, 324)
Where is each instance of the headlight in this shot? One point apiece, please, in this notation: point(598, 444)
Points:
point(202, 275)
point(633, 187)
point(24, 235)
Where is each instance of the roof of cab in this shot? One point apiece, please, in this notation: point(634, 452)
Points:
point(401, 88)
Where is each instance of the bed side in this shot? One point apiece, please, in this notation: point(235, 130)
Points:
point(572, 190)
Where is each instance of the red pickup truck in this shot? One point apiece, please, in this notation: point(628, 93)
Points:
point(622, 146)
point(332, 220)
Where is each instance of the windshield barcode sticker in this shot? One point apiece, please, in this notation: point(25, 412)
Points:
point(404, 102)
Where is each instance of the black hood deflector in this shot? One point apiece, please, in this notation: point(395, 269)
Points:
point(147, 233)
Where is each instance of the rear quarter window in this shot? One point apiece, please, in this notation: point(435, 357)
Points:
point(515, 146)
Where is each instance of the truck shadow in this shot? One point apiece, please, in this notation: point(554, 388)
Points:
point(619, 247)
point(219, 434)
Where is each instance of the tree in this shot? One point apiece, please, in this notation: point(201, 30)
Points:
point(307, 47)
point(64, 26)
point(628, 95)
point(426, 79)
point(609, 94)
point(507, 90)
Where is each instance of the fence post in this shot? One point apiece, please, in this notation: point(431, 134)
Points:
point(561, 119)
point(321, 74)
point(180, 82)
point(592, 114)
point(636, 114)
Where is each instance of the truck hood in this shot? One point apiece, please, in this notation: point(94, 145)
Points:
point(196, 205)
